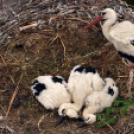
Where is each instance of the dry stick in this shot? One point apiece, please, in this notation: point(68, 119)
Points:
point(63, 47)
point(65, 54)
point(12, 99)
point(53, 40)
point(3, 60)
point(61, 42)
point(40, 120)
point(108, 126)
point(28, 26)
point(8, 128)
point(77, 19)
point(131, 6)
point(128, 130)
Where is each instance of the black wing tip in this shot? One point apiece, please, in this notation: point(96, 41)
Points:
point(79, 69)
point(56, 79)
point(90, 69)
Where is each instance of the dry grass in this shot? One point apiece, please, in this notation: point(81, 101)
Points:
point(48, 53)
point(54, 50)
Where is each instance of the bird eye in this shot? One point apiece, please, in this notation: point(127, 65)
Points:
point(103, 13)
point(87, 119)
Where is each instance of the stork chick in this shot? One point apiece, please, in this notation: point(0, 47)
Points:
point(50, 91)
point(80, 85)
point(121, 35)
point(98, 100)
point(71, 113)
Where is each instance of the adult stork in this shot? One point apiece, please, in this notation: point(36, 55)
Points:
point(121, 35)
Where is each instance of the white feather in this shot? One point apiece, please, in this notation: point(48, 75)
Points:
point(55, 93)
point(98, 100)
point(119, 34)
point(80, 85)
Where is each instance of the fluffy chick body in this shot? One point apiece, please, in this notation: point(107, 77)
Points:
point(98, 100)
point(80, 85)
point(50, 91)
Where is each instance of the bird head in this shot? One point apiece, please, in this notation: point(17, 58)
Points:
point(37, 87)
point(106, 14)
point(89, 119)
point(71, 113)
point(111, 88)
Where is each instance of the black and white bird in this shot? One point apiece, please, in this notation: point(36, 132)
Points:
point(50, 91)
point(121, 35)
point(81, 83)
point(98, 100)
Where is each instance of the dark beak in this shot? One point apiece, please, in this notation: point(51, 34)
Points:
point(97, 20)
point(80, 119)
point(60, 120)
point(83, 124)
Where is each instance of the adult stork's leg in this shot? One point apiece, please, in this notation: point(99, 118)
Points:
point(131, 75)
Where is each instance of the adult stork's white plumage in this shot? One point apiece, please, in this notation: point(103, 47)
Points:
point(121, 35)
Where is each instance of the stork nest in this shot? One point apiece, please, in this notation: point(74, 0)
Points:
point(48, 37)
